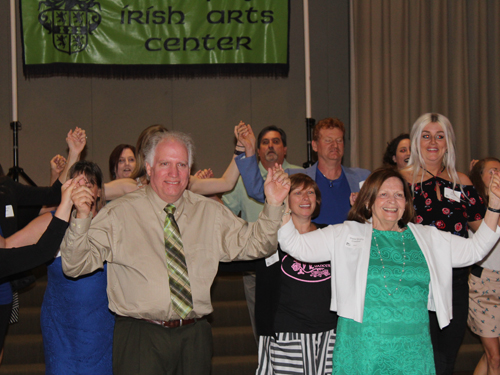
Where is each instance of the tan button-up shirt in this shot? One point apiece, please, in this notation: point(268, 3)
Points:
point(128, 234)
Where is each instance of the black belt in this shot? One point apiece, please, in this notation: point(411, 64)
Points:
point(173, 323)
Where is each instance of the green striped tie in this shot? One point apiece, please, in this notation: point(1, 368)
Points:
point(180, 288)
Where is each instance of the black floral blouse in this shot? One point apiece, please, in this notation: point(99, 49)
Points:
point(447, 214)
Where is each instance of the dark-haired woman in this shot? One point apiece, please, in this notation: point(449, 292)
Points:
point(122, 162)
point(387, 274)
point(397, 152)
point(77, 326)
point(484, 283)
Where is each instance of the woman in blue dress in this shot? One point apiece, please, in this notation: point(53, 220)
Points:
point(77, 326)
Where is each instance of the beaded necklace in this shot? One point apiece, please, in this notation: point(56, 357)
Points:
point(383, 266)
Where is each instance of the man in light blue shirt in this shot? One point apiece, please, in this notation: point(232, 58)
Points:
point(271, 149)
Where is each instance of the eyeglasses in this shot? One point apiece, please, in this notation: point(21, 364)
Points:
point(429, 137)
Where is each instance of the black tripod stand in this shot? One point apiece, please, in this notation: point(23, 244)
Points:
point(16, 171)
point(310, 122)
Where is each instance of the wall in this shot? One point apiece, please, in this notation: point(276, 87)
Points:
point(115, 111)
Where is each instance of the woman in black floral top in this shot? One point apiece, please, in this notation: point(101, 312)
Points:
point(446, 199)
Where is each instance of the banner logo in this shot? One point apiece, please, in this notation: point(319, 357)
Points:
point(70, 22)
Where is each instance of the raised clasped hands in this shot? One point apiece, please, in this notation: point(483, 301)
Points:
point(76, 140)
point(204, 174)
point(83, 198)
point(64, 208)
point(276, 186)
point(57, 164)
point(245, 137)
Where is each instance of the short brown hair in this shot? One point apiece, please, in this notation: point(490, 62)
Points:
point(94, 175)
point(328, 123)
point(368, 193)
point(303, 181)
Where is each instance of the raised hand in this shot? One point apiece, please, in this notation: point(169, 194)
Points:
point(76, 140)
point(204, 174)
point(241, 127)
point(352, 198)
point(83, 199)
point(276, 186)
point(472, 164)
point(57, 164)
point(64, 209)
point(246, 138)
point(494, 191)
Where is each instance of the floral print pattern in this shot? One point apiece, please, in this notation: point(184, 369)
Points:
point(444, 213)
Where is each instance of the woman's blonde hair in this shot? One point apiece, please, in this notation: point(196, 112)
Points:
point(417, 163)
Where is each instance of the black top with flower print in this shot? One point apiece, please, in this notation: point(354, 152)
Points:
point(447, 214)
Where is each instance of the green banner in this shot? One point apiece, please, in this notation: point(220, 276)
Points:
point(156, 37)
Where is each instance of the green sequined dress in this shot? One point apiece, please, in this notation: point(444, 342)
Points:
point(394, 337)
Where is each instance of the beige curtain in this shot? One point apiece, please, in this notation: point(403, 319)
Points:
point(409, 57)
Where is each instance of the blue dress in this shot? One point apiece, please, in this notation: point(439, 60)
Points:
point(77, 326)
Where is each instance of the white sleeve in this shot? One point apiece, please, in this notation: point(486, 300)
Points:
point(467, 251)
point(312, 247)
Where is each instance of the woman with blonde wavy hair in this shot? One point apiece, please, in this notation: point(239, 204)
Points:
point(446, 199)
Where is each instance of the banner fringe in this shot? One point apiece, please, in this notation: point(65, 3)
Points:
point(156, 71)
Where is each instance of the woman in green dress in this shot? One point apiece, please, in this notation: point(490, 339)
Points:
point(385, 276)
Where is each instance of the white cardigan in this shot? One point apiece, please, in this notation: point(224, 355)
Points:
point(347, 247)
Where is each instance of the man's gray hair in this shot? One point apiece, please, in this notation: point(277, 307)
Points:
point(155, 140)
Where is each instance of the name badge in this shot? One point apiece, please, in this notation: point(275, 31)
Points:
point(452, 194)
point(354, 241)
point(9, 211)
point(270, 260)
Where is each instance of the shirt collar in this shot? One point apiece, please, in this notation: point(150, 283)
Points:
point(159, 204)
point(263, 171)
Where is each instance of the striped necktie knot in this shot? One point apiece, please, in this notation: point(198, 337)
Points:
point(169, 209)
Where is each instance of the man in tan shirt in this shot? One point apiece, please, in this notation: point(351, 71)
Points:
point(150, 337)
